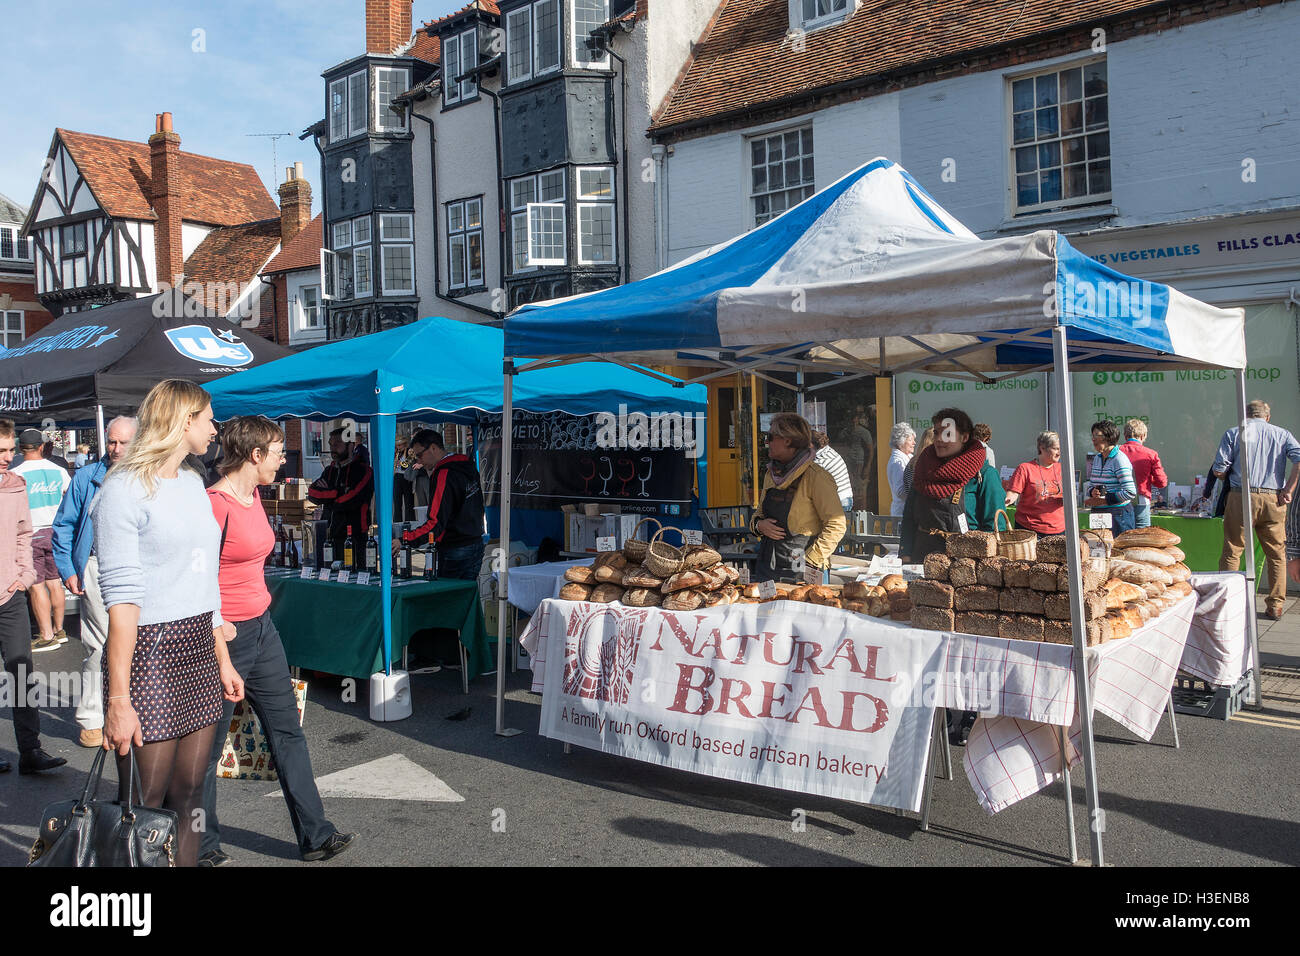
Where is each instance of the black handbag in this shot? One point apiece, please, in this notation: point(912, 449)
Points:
point(103, 833)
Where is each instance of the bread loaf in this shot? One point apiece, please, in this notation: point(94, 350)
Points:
point(683, 600)
point(699, 556)
point(1043, 577)
point(799, 592)
point(1119, 626)
point(933, 619)
point(1062, 632)
point(930, 593)
point(936, 566)
point(1136, 572)
point(1057, 606)
point(606, 593)
point(1182, 588)
point(731, 593)
point(1148, 556)
point(684, 580)
point(961, 573)
point(1020, 627)
point(893, 582)
point(972, 544)
point(642, 597)
point(1015, 574)
point(1152, 537)
point(750, 591)
point(1174, 552)
point(989, 572)
point(861, 590)
point(580, 574)
point(1051, 549)
point(639, 577)
point(1180, 572)
point(821, 594)
point(1094, 576)
point(1119, 593)
point(879, 606)
point(715, 577)
point(900, 606)
point(575, 592)
point(1022, 600)
point(983, 623)
point(1153, 589)
point(976, 598)
point(714, 599)
point(611, 572)
point(733, 575)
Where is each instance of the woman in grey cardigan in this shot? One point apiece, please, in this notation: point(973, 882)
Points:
point(166, 668)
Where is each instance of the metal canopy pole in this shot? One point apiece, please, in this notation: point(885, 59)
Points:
point(507, 442)
point(1083, 693)
point(99, 423)
point(799, 399)
point(1248, 532)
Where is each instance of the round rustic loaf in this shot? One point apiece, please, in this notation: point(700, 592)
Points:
point(580, 574)
point(575, 592)
point(1152, 537)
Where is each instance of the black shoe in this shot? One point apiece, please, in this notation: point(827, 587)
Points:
point(216, 857)
point(5, 765)
point(332, 847)
point(36, 761)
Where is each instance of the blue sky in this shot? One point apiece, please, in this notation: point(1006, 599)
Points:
point(107, 68)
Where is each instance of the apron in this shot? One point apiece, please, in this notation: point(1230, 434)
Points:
point(781, 560)
point(936, 515)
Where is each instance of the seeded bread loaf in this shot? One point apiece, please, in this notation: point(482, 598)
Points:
point(972, 544)
point(1020, 627)
point(1057, 606)
point(933, 619)
point(989, 572)
point(1043, 577)
point(1021, 600)
point(983, 623)
point(961, 574)
point(936, 566)
point(930, 593)
point(1015, 574)
point(978, 597)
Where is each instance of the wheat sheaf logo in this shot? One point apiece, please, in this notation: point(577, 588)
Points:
point(600, 652)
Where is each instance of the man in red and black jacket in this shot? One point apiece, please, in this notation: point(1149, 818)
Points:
point(344, 489)
point(455, 508)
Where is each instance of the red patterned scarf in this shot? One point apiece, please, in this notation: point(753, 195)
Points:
point(941, 478)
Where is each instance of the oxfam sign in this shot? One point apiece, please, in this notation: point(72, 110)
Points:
point(916, 386)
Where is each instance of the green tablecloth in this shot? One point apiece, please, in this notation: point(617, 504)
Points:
point(338, 628)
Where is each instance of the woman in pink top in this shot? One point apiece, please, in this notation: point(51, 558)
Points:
point(252, 452)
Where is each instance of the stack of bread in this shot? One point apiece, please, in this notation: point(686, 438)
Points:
point(1147, 576)
point(972, 590)
point(703, 581)
point(886, 599)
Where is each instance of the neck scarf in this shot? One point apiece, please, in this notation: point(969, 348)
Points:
point(940, 478)
point(783, 473)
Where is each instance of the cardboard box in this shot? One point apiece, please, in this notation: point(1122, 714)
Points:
point(581, 531)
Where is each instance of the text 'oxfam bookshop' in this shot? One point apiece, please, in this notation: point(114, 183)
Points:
point(1251, 261)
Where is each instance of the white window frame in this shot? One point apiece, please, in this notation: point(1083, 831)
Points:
point(385, 250)
point(513, 18)
point(382, 112)
point(1088, 198)
point(389, 244)
point(800, 21)
point(524, 212)
point(364, 254)
point(450, 72)
point(344, 252)
point(303, 324)
point(351, 105)
point(385, 220)
point(464, 234)
point(22, 246)
point(591, 201)
point(338, 110)
point(578, 46)
point(328, 263)
point(753, 195)
point(5, 331)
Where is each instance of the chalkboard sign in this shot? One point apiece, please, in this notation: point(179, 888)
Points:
point(561, 459)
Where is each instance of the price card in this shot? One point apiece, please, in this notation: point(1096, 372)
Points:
point(344, 576)
point(605, 544)
point(307, 574)
point(962, 526)
point(1096, 520)
point(324, 574)
point(744, 575)
point(363, 577)
point(767, 589)
point(693, 537)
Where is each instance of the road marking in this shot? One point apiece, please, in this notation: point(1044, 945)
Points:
point(389, 778)
point(1288, 723)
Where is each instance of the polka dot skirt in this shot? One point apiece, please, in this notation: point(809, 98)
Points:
point(175, 683)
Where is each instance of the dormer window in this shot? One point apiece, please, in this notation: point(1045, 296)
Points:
point(808, 15)
point(587, 15)
point(459, 56)
point(533, 40)
point(390, 117)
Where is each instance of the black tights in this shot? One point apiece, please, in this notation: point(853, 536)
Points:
point(171, 775)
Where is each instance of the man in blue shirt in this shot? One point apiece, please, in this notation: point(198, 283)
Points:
point(1269, 448)
point(74, 535)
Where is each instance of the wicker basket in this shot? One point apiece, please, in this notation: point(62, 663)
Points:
point(661, 558)
point(1015, 543)
point(634, 548)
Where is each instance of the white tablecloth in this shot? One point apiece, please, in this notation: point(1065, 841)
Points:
point(1218, 647)
point(531, 584)
point(1025, 689)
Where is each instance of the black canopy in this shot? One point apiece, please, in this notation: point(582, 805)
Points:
point(113, 355)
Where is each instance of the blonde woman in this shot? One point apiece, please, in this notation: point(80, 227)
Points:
point(166, 668)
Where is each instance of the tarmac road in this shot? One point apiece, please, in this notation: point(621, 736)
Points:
point(1227, 797)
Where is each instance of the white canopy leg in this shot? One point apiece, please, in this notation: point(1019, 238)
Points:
point(99, 423)
point(1096, 819)
point(1248, 532)
point(507, 436)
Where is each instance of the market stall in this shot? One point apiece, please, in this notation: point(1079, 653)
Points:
point(871, 277)
point(432, 370)
point(86, 366)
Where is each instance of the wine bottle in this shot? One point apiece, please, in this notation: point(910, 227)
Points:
point(327, 551)
point(347, 549)
point(431, 560)
point(404, 555)
point(292, 548)
point(372, 551)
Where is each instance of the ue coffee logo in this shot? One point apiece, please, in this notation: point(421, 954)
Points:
point(202, 344)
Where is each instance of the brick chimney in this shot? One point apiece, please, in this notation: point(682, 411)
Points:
point(165, 189)
point(388, 25)
point(295, 203)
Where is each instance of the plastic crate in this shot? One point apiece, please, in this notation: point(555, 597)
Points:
point(1194, 696)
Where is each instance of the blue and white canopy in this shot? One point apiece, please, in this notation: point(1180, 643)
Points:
point(872, 262)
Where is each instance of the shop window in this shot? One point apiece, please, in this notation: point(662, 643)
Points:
point(1060, 138)
point(780, 172)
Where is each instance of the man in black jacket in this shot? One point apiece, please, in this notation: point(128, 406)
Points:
point(455, 516)
point(344, 489)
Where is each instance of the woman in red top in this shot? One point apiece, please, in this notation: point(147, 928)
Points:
point(1035, 489)
point(252, 451)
